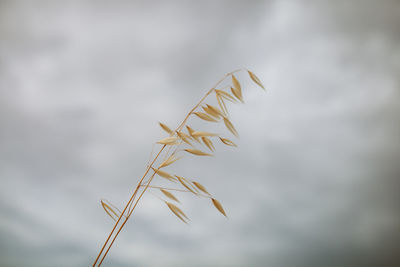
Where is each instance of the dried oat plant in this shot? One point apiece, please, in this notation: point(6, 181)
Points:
point(173, 147)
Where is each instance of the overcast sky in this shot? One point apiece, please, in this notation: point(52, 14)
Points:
point(314, 181)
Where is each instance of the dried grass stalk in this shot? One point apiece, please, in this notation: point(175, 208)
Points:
point(178, 142)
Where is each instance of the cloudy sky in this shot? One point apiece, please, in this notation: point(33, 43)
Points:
point(314, 181)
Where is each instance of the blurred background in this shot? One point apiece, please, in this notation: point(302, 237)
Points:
point(314, 181)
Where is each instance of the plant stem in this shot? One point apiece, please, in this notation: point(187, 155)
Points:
point(128, 204)
point(176, 189)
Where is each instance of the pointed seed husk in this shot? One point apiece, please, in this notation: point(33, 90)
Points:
point(172, 140)
point(177, 211)
point(200, 134)
point(201, 187)
point(218, 206)
point(212, 113)
point(110, 211)
point(191, 184)
point(226, 95)
point(204, 116)
point(184, 137)
point(185, 184)
point(227, 142)
point(230, 127)
point(164, 174)
point(197, 152)
point(238, 94)
point(221, 104)
point(166, 128)
point(236, 83)
point(169, 161)
point(191, 131)
point(255, 79)
point(169, 195)
point(208, 143)
point(215, 110)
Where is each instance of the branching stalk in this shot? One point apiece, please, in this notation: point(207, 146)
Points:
point(129, 207)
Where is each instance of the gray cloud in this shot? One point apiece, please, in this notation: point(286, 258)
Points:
point(313, 182)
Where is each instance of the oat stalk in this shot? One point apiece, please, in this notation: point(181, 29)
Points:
point(174, 142)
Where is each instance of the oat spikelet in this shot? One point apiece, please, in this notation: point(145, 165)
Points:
point(227, 142)
point(255, 79)
point(230, 127)
point(236, 83)
point(237, 89)
point(191, 131)
point(197, 152)
point(212, 113)
point(177, 211)
point(172, 140)
point(184, 137)
point(190, 183)
point(166, 128)
point(171, 159)
point(200, 134)
point(238, 94)
point(201, 187)
point(169, 195)
point(225, 95)
point(221, 104)
point(110, 211)
point(208, 143)
point(185, 184)
point(204, 116)
point(218, 206)
point(164, 174)
point(214, 110)
point(176, 141)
